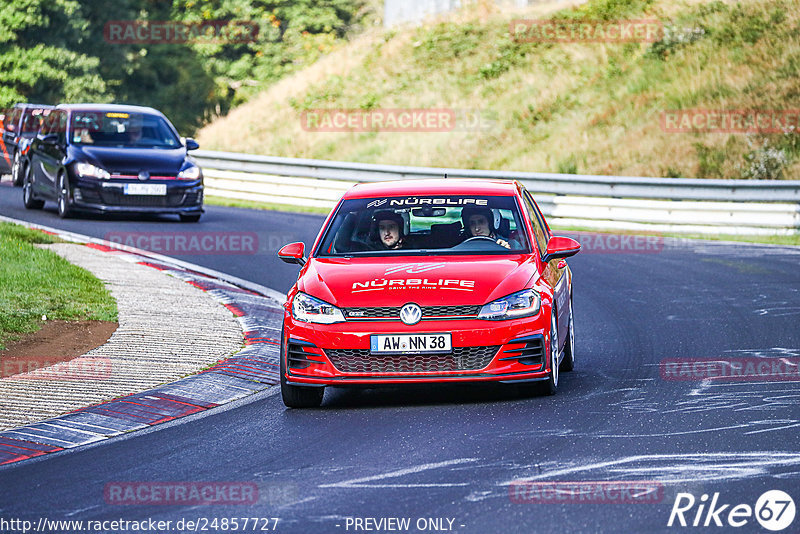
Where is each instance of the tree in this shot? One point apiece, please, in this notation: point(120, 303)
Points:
point(54, 51)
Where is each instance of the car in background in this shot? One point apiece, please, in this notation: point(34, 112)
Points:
point(107, 158)
point(428, 281)
point(20, 125)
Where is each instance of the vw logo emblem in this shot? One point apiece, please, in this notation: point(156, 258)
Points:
point(410, 314)
point(144, 175)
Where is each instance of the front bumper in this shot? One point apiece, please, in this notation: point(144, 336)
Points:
point(483, 351)
point(183, 197)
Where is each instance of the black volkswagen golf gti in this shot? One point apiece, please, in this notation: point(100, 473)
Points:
point(107, 158)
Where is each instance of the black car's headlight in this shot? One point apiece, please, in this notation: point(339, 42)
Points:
point(87, 170)
point(190, 173)
point(313, 310)
point(520, 304)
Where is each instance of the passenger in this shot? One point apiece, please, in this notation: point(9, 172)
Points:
point(478, 222)
point(389, 228)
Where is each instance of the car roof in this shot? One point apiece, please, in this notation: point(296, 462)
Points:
point(123, 108)
point(433, 186)
point(26, 105)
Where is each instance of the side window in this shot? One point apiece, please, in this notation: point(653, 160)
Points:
point(539, 229)
point(56, 124)
point(61, 125)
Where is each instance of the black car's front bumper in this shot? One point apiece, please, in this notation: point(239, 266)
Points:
point(109, 197)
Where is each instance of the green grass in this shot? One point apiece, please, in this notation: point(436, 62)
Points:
point(36, 282)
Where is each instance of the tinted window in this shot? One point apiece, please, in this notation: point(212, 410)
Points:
point(425, 223)
point(133, 130)
point(55, 123)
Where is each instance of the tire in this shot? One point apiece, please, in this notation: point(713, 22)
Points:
point(28, 199)
point(298, 396)
point(17, 170)
point(189, 217)
point(568, 363)
point(550, 386)
point(64, 204)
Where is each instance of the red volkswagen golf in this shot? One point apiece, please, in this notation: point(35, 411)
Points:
point(428, 281)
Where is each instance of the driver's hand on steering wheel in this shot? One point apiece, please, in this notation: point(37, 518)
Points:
point(503, 243)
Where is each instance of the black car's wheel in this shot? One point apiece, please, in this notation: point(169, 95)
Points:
point(28, 199)
point(17, 170)
point(64, 202)
point(568, 363)
point(189, 217)
point(550, 386)
point(298, 396)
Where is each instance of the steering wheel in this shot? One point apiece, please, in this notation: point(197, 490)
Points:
point(473, 238)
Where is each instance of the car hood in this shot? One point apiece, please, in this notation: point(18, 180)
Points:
point(443, 280)
point(133, 160)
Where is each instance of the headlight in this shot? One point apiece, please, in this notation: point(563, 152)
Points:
point(313, 310)
point(521, 304)
point(189, 173)
point(89, 170)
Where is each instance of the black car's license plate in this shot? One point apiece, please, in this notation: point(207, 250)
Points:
point(146, 189)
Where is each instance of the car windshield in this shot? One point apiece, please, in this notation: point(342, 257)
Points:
point(466, 224)
point(32, 121)
point(117, 129)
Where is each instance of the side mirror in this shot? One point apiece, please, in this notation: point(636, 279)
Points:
point(560, 247)
point(191, 144)
point(293, 253)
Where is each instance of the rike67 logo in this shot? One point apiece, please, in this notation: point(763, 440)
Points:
point(774, 510)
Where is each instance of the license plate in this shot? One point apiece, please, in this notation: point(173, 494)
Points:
point(145, 189)
point(409, 343)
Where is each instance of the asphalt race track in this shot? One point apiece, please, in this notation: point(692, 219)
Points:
point(446, 457)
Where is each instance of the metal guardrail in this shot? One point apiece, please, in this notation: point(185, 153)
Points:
point(657, 204)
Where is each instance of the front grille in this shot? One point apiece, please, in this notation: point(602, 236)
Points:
point(458, 311)
point(428, 312)
point(114, 198)
point(361, 361)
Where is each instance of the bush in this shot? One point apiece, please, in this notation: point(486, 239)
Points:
point(764, 162)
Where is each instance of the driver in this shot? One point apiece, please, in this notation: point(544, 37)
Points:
point(476, 224)
point(389, 226)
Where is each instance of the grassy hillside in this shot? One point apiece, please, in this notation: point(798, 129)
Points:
point(578, 107)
